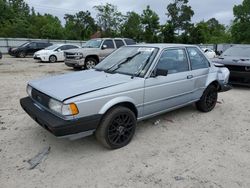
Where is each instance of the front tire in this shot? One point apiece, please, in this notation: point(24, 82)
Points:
point(208, 99)
point(90, 63)
point(52, 59)
point(117, 128)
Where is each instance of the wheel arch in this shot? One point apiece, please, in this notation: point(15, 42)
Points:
point(215, 83)
point(93, 56)
point(121, 101)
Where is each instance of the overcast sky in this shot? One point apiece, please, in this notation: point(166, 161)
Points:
point(203, 9)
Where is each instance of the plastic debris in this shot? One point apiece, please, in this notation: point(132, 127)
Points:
point(157, 122)
point(178, 178)
point(38, 158)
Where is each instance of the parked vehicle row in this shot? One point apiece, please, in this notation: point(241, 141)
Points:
point(235, 58)
point(132, 84)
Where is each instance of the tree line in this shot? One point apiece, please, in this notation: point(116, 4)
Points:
point(17, 19)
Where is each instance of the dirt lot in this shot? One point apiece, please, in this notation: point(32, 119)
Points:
point(184, 148)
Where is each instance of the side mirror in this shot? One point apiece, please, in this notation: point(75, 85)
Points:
point(104, 46)
point(58, 50)
point(160, 72)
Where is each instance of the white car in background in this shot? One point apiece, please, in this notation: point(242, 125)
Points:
point(54, 53)
point(209, 53)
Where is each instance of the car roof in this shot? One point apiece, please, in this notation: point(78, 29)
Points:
point(111, 38)
point(40, 41)
point(163, 45)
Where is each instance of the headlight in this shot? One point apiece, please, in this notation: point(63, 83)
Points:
point(29, 90)
point(63, 109)
point(78, 56)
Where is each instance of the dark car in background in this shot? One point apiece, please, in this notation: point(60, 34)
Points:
point(237, 60)
point(28, 48)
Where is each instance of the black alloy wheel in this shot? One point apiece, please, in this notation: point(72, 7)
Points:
point(117, 128)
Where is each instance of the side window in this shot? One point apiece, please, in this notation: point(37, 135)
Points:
point(197, 59)
point(109, 43)
point(32, 45)
point(119, 43)
point(64, 47)
point(130, 41)
point(173, 60)
point(72, 47)
point(40, 45)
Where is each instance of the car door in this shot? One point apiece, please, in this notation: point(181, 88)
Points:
point(60, 52)
point(174, 89)
point(107, 48)
point(199, 70)
point(31, 48)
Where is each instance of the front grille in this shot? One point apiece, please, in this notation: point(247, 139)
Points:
point(70, 55)
point(236, 68)
point(40, 97)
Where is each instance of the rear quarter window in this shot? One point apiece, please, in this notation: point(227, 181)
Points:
point(129, 41)
point(197, 59)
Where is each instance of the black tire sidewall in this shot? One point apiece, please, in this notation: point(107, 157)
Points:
point(51, 57)
point(102, 130)
point(201, 104)
point(21, 54)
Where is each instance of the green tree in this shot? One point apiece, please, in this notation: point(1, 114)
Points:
point(132, 27)
point(180, 14)
point(109, 19)
point(241, 24)
point(168, 33)
point(79, 26)
point(150, 23)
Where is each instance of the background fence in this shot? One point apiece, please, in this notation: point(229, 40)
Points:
point(6, 43)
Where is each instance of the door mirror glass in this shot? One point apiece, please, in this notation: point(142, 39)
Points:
point(160, 72)
point(104, 46)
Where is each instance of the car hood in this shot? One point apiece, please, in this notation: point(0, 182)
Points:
point(83, 50)
point(65, 86)
point(229, 60)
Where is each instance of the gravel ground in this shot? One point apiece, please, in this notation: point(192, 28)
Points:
point(183, 148)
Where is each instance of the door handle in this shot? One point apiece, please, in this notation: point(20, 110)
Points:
point(190, 76)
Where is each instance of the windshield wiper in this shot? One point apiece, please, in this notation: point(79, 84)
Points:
point(137, 73)
point(122, 62)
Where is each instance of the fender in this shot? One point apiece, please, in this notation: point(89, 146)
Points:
point(115, 101)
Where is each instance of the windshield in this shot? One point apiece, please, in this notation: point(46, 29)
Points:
point(95, 43)
point(25, 44)
point(53, 47)
point(238, 51)
point(130, 60)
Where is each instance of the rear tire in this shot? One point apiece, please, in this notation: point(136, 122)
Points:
point(52, 59)
point(208, 99)
point(90, 63)
point(21, 54)
point(117, 128)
